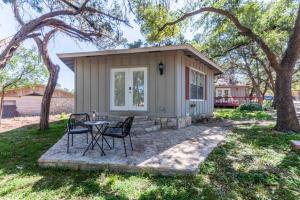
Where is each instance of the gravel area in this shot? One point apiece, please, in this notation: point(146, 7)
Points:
point(18, 122)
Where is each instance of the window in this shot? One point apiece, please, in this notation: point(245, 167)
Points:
point(197, 81)
point(219, 93)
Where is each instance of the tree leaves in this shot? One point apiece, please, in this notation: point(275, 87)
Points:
point(24, 68)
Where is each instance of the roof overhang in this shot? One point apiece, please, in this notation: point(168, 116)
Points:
point(68, 58)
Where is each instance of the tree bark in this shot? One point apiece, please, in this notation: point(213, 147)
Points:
point(45, 107)
point(286, 114)
point(53, 70)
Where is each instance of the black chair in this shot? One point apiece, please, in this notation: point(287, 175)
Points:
point(76, 126)
point(120, 130)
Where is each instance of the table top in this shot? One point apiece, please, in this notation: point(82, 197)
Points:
point(94, 123)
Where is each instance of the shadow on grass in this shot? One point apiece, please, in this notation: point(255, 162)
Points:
point(23, 147)
point(219, 178)
point(244, 173)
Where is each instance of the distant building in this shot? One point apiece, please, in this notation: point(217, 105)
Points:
point(26, 101)
point(296, 95)
point(232, 95)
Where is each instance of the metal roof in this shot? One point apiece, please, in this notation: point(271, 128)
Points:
point(68, 58)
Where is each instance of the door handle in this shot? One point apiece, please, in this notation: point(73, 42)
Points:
point(129, 88)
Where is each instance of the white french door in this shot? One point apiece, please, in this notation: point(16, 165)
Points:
point(128, 89)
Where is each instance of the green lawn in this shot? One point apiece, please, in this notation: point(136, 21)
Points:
point(236, 114)
point(253, 163)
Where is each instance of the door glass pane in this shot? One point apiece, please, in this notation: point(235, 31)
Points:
point(119, 89)
point(138, 88)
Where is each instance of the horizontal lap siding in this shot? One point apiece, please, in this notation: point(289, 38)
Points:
point(93, 81)
point(206, 106)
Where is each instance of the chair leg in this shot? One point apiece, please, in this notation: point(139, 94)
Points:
point(87, 138)
point(130, 142)
point(113, 142)
point(68, 144)
point(103, 138)
point(72, 139)
point(124, 147)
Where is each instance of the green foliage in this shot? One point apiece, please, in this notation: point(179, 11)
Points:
point(154, 17)
point(63, 116)
point(236, 114)
point(100, 21)
point(250, 107)
point(267, 104)
point(23, 69)
point(252, 163)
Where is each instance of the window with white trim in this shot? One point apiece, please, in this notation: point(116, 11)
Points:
point(197, 82)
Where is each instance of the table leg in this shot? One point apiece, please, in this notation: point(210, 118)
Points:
point(93, 143)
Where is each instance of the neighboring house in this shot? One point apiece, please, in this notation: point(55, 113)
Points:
point(232, 95)
point(296, 95)
point(173, 82)
point(26, 101)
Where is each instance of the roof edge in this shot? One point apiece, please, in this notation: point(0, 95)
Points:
point(66, 57)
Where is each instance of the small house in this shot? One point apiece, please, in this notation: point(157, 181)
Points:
point(169, 83)
point(296, 95)
point(26, 101)
point(232, 95)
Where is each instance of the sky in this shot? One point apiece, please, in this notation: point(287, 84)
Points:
point(61, 43)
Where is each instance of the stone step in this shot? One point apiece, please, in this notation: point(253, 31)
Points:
point(142, 130)
point(122, 118)
point(140, 125)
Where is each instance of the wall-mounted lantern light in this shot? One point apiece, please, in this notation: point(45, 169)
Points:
point(161, 68)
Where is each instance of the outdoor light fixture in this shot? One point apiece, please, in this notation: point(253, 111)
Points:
point(161, 68)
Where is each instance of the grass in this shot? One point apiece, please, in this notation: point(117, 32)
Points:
point(252, 163)
point(236, 114)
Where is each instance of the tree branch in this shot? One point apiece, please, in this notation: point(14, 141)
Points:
point(292, 52)
point(85, 8)
point(245, 31)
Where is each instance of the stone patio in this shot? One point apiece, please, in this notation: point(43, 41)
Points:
point(166, 152)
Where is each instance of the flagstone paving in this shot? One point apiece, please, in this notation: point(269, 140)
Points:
point(165, 152)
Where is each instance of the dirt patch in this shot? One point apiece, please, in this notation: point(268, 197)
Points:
point(18, 122)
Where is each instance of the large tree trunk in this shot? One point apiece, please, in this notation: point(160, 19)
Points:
point(45, 109)
point(286, 114)
point(53, 76)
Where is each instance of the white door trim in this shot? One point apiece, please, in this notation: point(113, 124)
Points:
point(128, 95)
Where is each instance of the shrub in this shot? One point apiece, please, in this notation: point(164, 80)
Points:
point(63, 115)
point(267, 104)
point(250, 107)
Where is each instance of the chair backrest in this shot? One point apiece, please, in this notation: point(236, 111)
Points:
point(77, 120)
point(126, 126)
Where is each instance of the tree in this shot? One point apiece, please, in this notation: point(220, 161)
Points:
point(241, 15)
point(23, 69)
point(92, 21)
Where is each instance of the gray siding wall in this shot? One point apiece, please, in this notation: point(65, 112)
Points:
point(203, 107)
point(92, 82)
point(166, 93)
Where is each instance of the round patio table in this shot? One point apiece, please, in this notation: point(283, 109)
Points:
point(99, 127)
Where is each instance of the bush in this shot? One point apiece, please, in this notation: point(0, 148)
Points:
point(267, 104)
point(63, 115)
point(250, 107)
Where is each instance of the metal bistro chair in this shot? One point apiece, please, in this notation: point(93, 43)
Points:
point(76, 126)
point(120, 130)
